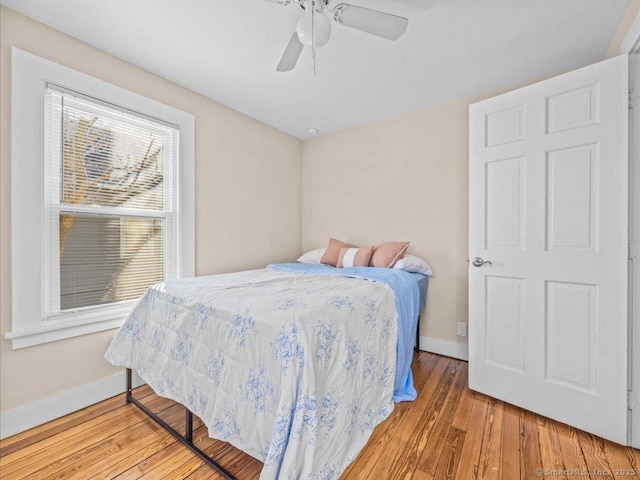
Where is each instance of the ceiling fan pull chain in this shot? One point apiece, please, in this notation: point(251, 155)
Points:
point(313, 35)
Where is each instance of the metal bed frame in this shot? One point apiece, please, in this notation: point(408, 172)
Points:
point(187, 439)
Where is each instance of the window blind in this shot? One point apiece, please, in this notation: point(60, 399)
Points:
point(110, 198)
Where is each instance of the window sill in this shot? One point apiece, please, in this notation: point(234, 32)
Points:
point(88, 322)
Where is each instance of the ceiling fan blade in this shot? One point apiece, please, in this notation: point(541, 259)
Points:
point(377, 23)
point(291, 54)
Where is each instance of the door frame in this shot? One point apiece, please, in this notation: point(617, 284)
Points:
point(631, 42)
point(631, 46)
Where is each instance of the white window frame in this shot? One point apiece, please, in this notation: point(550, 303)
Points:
point(30, 267)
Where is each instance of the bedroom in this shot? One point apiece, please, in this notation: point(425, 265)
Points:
point(390, 162)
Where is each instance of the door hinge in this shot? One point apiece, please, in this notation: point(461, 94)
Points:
point(634, 250)
point(633, 401)
point(633, 99)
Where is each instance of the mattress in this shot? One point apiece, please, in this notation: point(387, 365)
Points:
point(422, 281)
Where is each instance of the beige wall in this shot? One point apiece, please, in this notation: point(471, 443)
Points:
point(404, 178)
point(629, 16)
point(247, 200)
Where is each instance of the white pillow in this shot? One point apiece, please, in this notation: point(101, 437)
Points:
point(312, 256)
point(411, 263)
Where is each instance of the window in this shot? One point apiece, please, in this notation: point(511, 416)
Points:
point(109, 203)
point(113, 212)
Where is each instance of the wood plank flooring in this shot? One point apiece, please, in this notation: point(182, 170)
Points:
point(449, 432)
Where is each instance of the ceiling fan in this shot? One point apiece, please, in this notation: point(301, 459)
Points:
point(314, 27)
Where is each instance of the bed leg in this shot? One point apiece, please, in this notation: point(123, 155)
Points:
point(186, 440)
point(129, 387)
point(416, 349)
point(188, 428)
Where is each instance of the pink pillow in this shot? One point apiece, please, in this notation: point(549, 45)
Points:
point(386, 255)
point(330, 256)
point(354, 257)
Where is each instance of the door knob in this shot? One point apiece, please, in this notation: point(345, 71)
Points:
point(478, 262)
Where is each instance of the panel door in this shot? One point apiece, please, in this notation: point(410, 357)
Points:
point(549, 209)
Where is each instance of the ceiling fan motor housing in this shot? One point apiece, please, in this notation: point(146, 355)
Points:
point(314, 29)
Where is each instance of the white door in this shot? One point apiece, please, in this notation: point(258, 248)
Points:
point(548, 207)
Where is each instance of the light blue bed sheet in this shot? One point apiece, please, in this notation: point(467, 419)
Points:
point(422, 281)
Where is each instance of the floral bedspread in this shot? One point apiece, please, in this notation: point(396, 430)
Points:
point(295, 370)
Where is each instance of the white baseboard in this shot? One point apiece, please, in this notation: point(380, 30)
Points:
point(445, 347)
point(41, 411)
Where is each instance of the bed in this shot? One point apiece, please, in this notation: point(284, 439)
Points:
point(293, 364)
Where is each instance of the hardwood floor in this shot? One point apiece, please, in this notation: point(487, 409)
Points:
point(449, 432)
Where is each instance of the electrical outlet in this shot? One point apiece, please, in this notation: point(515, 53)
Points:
point(462, 329)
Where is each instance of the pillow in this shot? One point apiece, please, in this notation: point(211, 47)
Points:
point(330, 256)
point(386, 255)
point(312, 256)
point(354, 257)
point(411, 263)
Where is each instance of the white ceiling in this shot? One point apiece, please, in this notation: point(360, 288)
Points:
point(227, 50)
